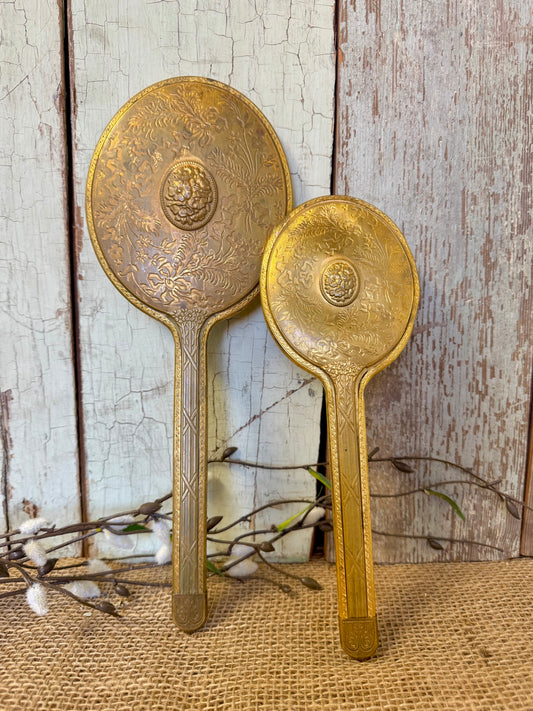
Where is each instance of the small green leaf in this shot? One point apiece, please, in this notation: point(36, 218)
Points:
point(213, 569)
point(320, 477)
point(446, 498)
point(282, 526)
point(135, 527)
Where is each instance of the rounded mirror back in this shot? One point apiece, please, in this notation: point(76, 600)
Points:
point(339, 285)
point(184, 187)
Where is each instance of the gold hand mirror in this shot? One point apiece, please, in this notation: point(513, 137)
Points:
point(339, 290)
point(185, 185)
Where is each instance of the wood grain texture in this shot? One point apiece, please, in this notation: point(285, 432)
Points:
point(280, 55)
point(434, 127)
point(39, 440)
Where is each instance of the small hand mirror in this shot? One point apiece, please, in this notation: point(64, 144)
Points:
point(340, 290)
point(185, 185)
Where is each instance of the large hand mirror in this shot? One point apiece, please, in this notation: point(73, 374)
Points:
point(185, 185)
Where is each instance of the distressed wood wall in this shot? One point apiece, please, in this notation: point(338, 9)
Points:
point(274, 53)
point(37, 398)
point(434, 127)
point(431, 104)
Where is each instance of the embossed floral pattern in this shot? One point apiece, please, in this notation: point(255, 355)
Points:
point(186, 189)
point(332, 258)
point(189, 195)
point(339, 283)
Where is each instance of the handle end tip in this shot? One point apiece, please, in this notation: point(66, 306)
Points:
point(189, 610)
point(359, 636)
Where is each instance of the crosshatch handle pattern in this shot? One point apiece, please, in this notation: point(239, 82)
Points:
point(190, 477)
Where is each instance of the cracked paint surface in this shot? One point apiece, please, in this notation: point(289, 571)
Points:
point(435, 129)
point(280, 55)
point(40, 464)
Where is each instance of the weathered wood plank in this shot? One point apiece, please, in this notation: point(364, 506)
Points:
point(280, 55)
point(40, 472)
point(434, 127)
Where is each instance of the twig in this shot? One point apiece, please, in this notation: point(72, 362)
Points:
point(272, 504)
point(483, 482)
point(12, 593)
point(274, 467)
point(108, 609)
point(423, 489)
point(438, 538)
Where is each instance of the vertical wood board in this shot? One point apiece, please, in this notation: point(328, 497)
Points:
point(280, 55)
point(434, 127)
point(39, 436)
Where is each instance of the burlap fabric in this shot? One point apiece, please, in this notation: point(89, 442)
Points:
point(453, 637)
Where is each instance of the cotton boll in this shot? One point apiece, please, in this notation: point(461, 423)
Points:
point(240, 550)
point(95, 565)
point(314, 515)
point(161, 529)
point(36, 553)
point(37, 599)
point(164, 554)
point(246, 566)
point(243, 569)
point(83, 588)
point(125, 543)
point(32, 526)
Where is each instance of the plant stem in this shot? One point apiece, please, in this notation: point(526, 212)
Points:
point(438, 538)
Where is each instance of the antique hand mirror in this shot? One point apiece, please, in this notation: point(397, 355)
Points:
point(185, 185)
point(340, 290)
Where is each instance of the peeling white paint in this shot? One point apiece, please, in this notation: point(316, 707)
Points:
point(280, 55)
point(39, 452)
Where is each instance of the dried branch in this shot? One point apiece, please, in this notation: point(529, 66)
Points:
point(24, 553)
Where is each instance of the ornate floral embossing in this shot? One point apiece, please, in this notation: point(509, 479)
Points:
point(360, 636)
point(189, 195)
point(189, 611)
point(337, 256)
point(187, 157)
point(339, 282)
point(330, 253)
point(185, 186)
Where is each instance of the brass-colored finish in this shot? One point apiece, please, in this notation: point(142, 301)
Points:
point(340, 290)
point(184, 187)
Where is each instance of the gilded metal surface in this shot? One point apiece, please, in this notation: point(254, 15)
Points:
point(189, 195)
point(339, 282)
point(359, 637)
point(185, 185)
point(340, 290)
